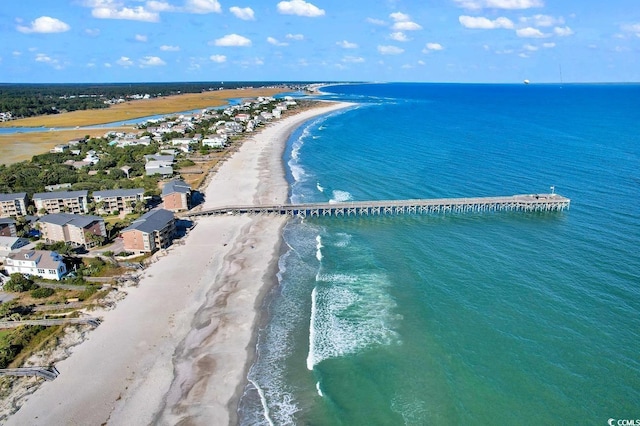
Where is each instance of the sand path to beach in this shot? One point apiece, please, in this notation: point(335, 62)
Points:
point(177, 349)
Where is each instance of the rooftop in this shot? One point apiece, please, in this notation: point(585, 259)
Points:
point(155, 220)
point(60, 195)
point(62, 219)
point(176, 185)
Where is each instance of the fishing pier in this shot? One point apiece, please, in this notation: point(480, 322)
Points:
point(515, 203)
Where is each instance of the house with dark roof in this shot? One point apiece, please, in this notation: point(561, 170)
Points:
point(12, 205)
point(8, 227)
point(118, 200)
point(176, 195)
point(154, 230)
point(78, 230)
point(42, 263)
point(62, 201)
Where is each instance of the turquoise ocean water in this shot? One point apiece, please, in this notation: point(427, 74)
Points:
point(507, 318)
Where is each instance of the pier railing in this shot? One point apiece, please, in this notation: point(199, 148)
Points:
point(524, 203)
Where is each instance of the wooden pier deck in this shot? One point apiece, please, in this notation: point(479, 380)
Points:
point(522, 203)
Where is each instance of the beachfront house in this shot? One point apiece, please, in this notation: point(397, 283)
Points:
point(157, 164)
point(13, 205)
point(42, 263)
point(176, 195)
point(215, 141)
point(63, 201)
point(118, 200)
point(77, 230)
point(154, 230)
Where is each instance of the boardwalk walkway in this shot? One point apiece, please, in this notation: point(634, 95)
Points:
point(49, 322)
point(524, 203)
point(47, 373)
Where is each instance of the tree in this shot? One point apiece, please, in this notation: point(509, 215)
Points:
point(19, 283)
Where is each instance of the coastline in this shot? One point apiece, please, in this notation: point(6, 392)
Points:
point(187, 333)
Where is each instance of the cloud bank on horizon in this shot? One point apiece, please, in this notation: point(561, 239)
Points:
point(319, 40)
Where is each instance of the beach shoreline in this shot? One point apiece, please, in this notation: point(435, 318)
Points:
point(187, 333)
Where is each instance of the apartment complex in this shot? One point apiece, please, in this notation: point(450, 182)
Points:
point(154, 230)
point(77, 230)
point(176, 195)
point(63, 201)
point(120, 200)
point(13, 205)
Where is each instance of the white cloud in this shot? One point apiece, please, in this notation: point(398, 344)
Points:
point(523, 55)
point(530, 32)
point(513, 4)
point(632, 28)
point(151, 61)
point(42, 57)
point(504, 52)
point(160, 6)
point(399, 17)
point(45, 25)
point(406, 26)
point(92, 32)
point(168, 48)
point(202, 6)
point(124, 61)
point(563, 31)
point(16, 53)
point(275, 42)
point(429, 47)
point(399, 36)
point(530, 47)
point(297, 37)
point(218, 58)
point(499, 4)
point(233, 40)
point(541, 20)
point(485, 23)
point(375, 21)
point(141, 38)
point(347, 44)
point(548, 45)
point(353, 59)
point(403, 22)
point(299, 8)
point(390, 50)
point(107, 65)
point(108, 10)
point(421, 62)
point(244, 13)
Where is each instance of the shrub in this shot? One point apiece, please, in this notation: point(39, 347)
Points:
point(42, 292)
point(19, 283)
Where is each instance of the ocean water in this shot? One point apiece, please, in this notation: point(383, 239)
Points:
point(494, 318)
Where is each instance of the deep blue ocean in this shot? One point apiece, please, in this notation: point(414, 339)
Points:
point(483, 318)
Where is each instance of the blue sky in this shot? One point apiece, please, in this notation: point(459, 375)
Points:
point(320, 40)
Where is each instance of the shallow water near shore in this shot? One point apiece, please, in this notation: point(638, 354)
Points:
point(526, 318)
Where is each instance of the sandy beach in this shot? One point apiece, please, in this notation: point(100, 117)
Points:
point(177, 349)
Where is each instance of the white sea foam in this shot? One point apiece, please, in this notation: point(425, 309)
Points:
point(319, 248)
point(343, 239)
point(312, 330)
point(318, 389)
point(320, 188)
point(349, 314)
point(296, 171)
point(263, 401)
point(340, 196)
